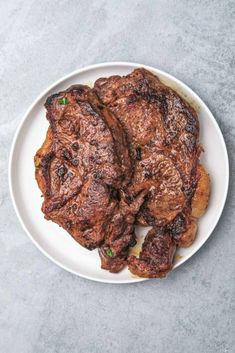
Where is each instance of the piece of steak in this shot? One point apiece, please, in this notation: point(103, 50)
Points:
point(163, 134)
point(125, 151)
point(120, 235)
point(156, 256)
point(81, 168)
point(162, 131)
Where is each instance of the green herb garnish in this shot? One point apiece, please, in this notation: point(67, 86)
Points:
point(109, 253)
point(63, 101)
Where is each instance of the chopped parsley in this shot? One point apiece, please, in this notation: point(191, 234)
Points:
point(63, 101)
point(109, 253)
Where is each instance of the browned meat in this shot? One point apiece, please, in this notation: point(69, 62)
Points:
point(123, 152)
point(80, 169)
point(201, 196)
point(162, 132)
point(157, 254)
point(120, 234)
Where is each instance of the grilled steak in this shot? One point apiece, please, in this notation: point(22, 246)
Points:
point(80, 169)
point(122, 153)
point(120, 234)
point(156, 256)
point(162, 132)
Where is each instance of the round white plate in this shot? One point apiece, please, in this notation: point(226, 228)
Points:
point(54, 241)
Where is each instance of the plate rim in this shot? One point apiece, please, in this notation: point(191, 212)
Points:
point(66, 77)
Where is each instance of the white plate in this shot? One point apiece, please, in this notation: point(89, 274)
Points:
point(55, 242)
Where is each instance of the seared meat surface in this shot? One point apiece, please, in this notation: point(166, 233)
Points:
point(124, 153)
point(162, 132)
point(120, 234)
point(156, 256)
point(80, 169)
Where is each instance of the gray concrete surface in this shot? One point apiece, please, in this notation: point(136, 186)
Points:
point(45, 309)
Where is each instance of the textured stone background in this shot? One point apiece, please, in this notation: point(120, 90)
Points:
point(42, 307)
